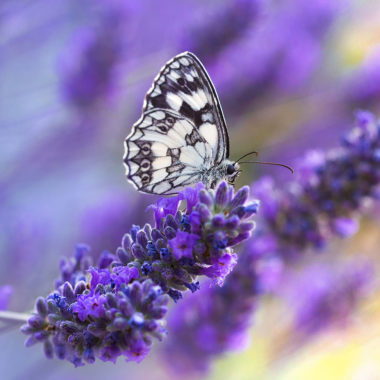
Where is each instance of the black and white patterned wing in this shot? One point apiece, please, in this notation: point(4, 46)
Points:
point(165, 153)
point(181, 133)
point(183, 86)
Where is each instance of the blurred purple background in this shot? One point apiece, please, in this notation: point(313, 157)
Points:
point(289, 73)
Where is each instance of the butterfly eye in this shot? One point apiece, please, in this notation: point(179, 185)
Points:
point(230, 169)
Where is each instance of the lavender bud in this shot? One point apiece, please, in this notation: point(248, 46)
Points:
point(69, 327)
point(30, 341)
point(120, 323)
point(48, 349)
point(160, 243)
point(240, 197)
point(126, 242)
point(111, 300)
point(170, 233)
point(135, 228)
point(27, 329)
point(232, 222)
point(246, 226)
point(136, 293)
point(148, 231)
point(36, 322)
point(53, 318)
point(251, 209)
point(170, 222)
point(204, 212)
point(218, 221)
point(123, 256)
point(221, 195)
point(141, 238)
point(80, 287)
point(205, 197)
point(156, 234)
point(41, 307)
point(138, 251)
point(68, 292)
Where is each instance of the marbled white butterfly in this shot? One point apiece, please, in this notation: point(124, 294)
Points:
point(181, 137)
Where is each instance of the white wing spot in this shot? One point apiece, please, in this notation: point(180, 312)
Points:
point(190, 157)
point(162, 187)
point(133, 149)
point(133, 168)
point(161, 162)
point(184, 61)
point(175, 65)
point(159, 115)
point(159, 175)
point(158, 149)
point(210, 133)
point(174, 101)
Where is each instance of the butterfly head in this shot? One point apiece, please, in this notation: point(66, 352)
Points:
point(232, 170)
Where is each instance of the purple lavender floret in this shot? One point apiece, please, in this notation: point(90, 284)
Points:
point(116, 307)
point(331, 188)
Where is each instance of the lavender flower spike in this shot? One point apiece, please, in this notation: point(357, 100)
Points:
point(117, 307)
point(104, 316)
point(187, 244)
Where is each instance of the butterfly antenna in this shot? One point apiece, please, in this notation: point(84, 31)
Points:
point(269, 163)
point(247, 154)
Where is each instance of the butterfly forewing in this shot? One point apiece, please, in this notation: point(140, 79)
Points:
point(181, 131)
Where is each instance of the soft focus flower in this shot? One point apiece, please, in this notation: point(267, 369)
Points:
point(321, 295)
point(5, 295)
point(216, 28)
point(90, 62)
point(264, 62)
point(332, 188)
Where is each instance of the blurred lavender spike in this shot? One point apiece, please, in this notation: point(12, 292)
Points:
point(89, 66)
point(217, 28)
point(331, 189)
point(331, 296)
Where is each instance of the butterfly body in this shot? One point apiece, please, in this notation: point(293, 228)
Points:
point(181, 137)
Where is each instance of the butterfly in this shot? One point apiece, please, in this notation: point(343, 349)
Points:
point(181, 137)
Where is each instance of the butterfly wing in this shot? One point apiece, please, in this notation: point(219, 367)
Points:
point(182, 96)
point(165, 152)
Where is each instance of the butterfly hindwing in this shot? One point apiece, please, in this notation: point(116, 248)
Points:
point(165, 153)
point(184, 86)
